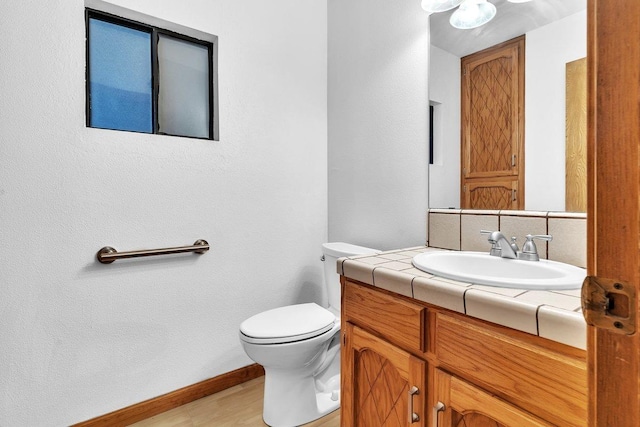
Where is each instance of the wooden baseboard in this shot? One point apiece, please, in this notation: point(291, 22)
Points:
point(157, 405)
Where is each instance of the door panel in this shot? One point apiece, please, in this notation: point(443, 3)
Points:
point(576, 136)
point(493, 119)
point(378, 392)
point(466, 405)
point(501, 193)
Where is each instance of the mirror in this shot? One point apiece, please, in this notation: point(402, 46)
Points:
point(555, 36)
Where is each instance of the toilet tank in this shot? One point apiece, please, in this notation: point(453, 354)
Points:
point(333, 251)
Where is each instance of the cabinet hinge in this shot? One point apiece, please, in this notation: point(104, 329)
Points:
point(609, 304)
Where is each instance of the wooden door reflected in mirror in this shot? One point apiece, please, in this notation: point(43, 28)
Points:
point(493, 127)
point(576, 144)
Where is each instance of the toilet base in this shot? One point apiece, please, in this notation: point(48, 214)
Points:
point(300, 403)
point(292, 398)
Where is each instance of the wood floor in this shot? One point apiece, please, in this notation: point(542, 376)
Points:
point(237, 406)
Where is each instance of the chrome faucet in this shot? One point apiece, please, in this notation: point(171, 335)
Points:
point(500, 245)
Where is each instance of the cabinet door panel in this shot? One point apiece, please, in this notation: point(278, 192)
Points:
point(498, 193)
point(542, 382)
point(469, 406)
point(378, 391)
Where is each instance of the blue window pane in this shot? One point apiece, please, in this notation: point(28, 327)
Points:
point(120, 77)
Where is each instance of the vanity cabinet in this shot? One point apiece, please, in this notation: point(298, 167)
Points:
point(409, 363)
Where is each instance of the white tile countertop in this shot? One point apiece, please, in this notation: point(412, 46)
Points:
point(555, 315)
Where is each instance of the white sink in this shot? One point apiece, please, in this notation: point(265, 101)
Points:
point(483, 269)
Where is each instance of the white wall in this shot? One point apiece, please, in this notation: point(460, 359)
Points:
point(378, 122)
point(80, 339)
point(548, 50)
point(444, 93)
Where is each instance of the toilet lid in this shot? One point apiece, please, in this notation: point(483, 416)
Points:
point(290, 323)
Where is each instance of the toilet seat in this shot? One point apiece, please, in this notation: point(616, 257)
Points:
point(287, 324)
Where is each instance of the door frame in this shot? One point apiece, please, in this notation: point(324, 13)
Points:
point(613, 212)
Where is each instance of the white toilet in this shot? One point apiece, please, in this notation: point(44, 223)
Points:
point(299, 348)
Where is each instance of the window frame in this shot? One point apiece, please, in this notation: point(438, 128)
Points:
point(155, 31)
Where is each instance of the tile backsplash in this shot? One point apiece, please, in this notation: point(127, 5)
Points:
point(444, 228)
point(460, 230)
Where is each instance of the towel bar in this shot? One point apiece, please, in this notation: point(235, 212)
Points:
point(108, 254)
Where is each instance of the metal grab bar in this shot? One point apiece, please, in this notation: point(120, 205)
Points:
point(108, 254)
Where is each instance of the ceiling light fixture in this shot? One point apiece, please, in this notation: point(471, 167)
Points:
point(435, 6)
point(470, 14)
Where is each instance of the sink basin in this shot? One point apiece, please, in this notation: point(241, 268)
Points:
point(483, 269)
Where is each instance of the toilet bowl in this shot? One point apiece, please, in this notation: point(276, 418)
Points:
point(299, 348)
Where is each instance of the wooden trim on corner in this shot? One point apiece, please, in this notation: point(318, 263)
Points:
point(149, 408)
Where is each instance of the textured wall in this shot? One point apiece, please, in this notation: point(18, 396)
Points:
point(444, 93)
point(80, 339)
point(378, 122)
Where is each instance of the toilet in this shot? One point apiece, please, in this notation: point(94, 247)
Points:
point(299, 348)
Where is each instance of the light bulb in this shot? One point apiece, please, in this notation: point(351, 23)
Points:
point(472, 14)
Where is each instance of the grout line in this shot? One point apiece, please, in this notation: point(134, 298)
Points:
point(464, 300)
point(460, 231)
point(537, 320)
point(547, 233)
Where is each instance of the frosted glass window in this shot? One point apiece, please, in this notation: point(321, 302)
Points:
point(150, 75)
point(120, 89)
point(183, 93)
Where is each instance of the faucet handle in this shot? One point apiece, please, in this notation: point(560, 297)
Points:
point(529, 249)
point(547, 237)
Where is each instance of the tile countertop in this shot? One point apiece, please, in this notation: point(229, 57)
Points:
point(555, 315)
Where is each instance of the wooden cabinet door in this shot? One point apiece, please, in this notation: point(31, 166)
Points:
point(460, 404)
point(379, 391)
point(492, 128)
